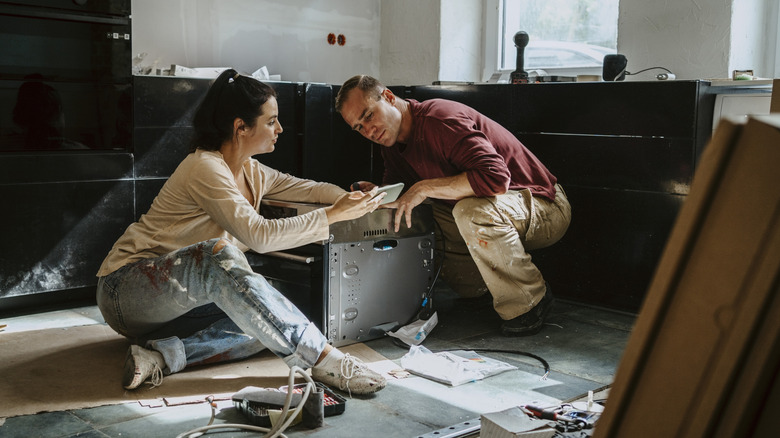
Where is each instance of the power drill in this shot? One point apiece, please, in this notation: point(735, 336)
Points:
point(520, 76)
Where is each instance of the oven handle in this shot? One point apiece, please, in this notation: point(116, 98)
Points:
point(293, 257)
point(34, 12)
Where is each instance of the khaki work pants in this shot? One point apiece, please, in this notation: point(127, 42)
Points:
point(486, 243)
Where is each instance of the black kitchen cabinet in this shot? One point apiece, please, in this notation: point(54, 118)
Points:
point(63, 213)
point(625, 152)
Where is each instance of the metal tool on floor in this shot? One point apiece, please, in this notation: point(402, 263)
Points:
point(567, 419)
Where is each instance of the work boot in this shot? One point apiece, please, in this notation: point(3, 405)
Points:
point(141, 364)
point(348, 373)
point(530, 322)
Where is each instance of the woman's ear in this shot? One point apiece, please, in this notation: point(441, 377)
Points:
point(238, 125)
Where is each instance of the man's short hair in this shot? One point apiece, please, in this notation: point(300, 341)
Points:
point(363, 83)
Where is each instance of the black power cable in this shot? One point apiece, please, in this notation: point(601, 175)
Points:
point(522, 353)
point(427, 302)
point(661, 76)
point(646, 69)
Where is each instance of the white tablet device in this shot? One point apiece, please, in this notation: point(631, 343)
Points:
point(393, 191)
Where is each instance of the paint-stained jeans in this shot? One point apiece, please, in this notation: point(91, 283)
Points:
point(197, 307)
point(487, 242)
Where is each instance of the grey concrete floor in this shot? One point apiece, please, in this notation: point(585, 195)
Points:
point(582, 344)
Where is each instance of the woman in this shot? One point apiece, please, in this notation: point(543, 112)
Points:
point(177, 282)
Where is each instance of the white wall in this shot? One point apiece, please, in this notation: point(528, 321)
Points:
point(690, 37)
point(696, 39)
point(410, 51)
point(431, 40)
point(413, 42)
point(749, 36)
point(287, 36)
point(461, 44)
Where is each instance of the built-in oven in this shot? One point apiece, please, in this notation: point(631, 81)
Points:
point(65, 75)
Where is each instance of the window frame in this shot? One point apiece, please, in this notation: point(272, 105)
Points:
point(773, 44)
point(493, 47)
point(492, 37)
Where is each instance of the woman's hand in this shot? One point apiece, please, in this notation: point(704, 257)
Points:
point(353, 205)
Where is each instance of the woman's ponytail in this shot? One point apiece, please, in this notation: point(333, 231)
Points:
point(231, 95)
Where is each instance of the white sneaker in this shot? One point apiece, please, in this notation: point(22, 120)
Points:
point(140, 365)
point(348, 374)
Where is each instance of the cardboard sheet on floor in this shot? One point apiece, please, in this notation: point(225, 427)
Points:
point(80, 367)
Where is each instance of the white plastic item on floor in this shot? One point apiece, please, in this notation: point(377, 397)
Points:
point(416, 332)
point(513, 423)
point(452, 367)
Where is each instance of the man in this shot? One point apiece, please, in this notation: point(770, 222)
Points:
point(493, 199)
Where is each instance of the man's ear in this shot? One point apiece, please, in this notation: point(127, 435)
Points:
point(387, 94)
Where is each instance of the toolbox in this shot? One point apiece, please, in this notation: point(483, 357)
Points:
point(334, 403)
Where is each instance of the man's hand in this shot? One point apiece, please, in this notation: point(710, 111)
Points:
point(362, 186)
point(406, 203)
point(451, 187)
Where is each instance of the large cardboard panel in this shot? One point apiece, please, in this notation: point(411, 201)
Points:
point(711, 307)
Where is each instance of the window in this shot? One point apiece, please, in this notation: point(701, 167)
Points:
point(566, 36)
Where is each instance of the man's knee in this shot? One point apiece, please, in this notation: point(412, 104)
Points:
point(471, 210)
